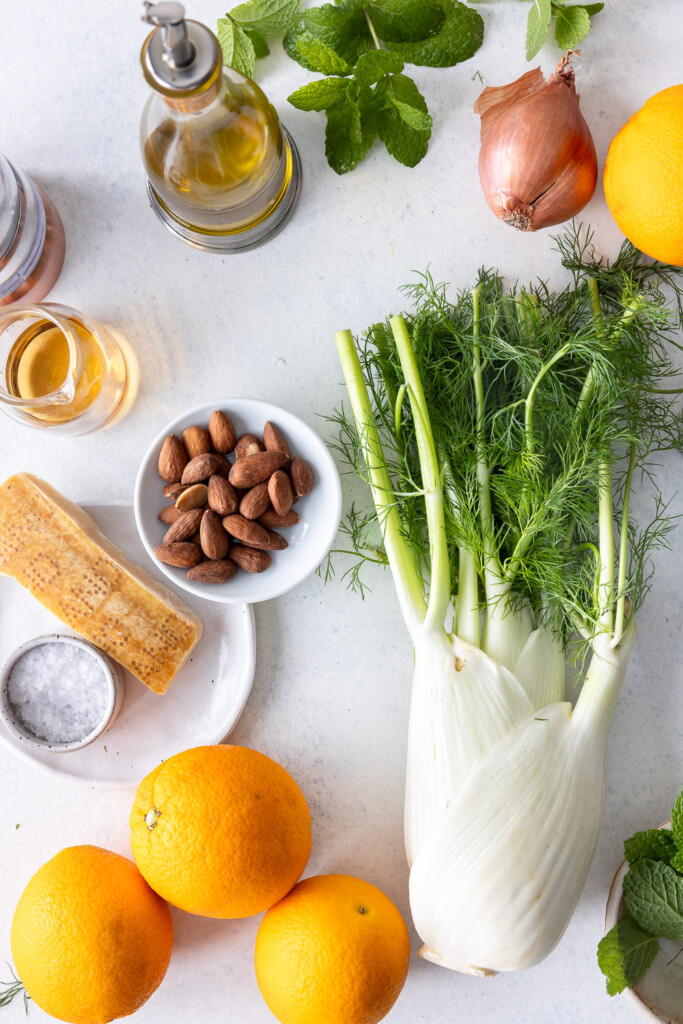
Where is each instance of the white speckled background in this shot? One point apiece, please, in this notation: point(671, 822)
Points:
point(330, 700)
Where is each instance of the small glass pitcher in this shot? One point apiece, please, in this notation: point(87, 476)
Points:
point(59, 370)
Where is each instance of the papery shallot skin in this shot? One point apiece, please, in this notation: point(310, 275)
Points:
point(537, 162)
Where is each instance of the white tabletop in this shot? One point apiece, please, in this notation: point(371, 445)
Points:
point(330, 700)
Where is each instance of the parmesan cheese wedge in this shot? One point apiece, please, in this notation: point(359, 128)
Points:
point(54, 549)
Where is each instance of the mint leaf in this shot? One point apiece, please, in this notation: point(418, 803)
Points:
point(346, 142)
point(416, 119)
point(404, 143)
point(321, 57)
point(261, 48)
point(289, 44)
point(375, 64)
point(654, 896)
point(405, 21)
point(238, 49)
point(458, 39)
point(655, 844)
point(572, 24)
point(625, 954)
point(320, 95)
point(344, 30)
point(677, 862)
point(269, 17)
point(677, 821)
point(537, 27)
point(592, 9)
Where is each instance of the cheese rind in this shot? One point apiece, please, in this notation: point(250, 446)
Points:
point(55, 550)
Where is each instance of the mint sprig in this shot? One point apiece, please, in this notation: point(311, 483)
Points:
point(572, 24)
point(653, 896)
point(362, 46)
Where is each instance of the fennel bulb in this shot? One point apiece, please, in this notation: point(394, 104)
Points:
point(500, 436)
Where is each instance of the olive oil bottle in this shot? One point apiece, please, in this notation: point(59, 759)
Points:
point(222, 172)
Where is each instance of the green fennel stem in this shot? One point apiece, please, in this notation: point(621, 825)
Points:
point(623, 548)
point(408, 585)
point(439, 591)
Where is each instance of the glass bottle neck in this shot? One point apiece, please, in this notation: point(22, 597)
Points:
point(200, 101)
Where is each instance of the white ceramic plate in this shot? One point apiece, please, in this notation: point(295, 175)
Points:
point(309, 541)
point(201, 706)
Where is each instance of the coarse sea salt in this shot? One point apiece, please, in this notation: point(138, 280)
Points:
point(57, 692)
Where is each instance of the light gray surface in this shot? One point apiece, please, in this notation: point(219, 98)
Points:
point(331, 695)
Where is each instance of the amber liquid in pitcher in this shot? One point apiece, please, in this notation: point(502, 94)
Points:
point(222, 168)
point(38, 363)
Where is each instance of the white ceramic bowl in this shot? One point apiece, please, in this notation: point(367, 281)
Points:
point(111, 672)
point(309, 541)
point(652, 997)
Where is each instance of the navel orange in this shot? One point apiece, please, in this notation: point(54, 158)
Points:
point(222, 831)
point(643, 180)
point(334, 951)
point(90, 940)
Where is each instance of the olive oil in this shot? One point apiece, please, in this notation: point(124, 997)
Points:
point(59, 370)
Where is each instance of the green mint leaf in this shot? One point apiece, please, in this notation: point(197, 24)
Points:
point(677, 821)
point(458, 39)
point(320, 95)
point(592, 9)
point(269, 17)
point(321, 57)
point(346, 140)
point(238, 49)
point(261, 48)
point(625, 954)
point(289, 42)
point(375, 64)
point(344, 30)
point(572, 24)
point(654, 896)
point(405, 21)
point(655, 844)
point(404, 143)
point(416, 119)
point(677, 862)
point(537, 27)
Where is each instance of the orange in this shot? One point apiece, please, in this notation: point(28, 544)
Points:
point(335, 951)
point(643, 180)
point(90, 940)
point(221, 831)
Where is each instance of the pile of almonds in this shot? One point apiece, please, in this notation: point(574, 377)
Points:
point(226, 514)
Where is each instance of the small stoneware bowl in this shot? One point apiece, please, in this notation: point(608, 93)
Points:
point(658, 996)
point(113, 682)
point(319, 511)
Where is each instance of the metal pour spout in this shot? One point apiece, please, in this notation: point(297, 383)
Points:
point(179, 51)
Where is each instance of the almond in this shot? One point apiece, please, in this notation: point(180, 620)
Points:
point(302, 476)
point(213, 572)
point(253, 469)
point(271, 519)
point(172, 460)
point(193, 497)
point(169, 515)
point(184, 526)
point(222, 496)
point(201, 468)
point(247, 531)
point(276, 541)
point(275, 442)
point(196, 441)
point(255, 502)
point(249, 559)
point(224, 466)
point(247, 444)
point(182, 555)
point(173, 491)
point(280, 492)
point(212, 536)
point(222, 432)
